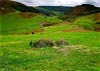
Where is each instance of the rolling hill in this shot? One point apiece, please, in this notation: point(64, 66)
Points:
point(23, 23)
point(71, 31)
point(8, 6)
point(57, 8)
point(84, 9)
point(79, 10)
point(90, 22)
point(17, 18)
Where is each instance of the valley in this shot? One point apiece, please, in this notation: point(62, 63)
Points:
point(71, 36)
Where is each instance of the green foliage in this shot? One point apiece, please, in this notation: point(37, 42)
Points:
point(22, 8)
point(45, 11)
point(61, 43)
point(42, 43)
point(85, 23)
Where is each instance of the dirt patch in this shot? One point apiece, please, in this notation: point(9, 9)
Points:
point(40, 30)
point(32, 32)
point(26, 14)
point(97, 29)
point(49, 24)
point(70, 48)
point(76, 30)
point(55, 24)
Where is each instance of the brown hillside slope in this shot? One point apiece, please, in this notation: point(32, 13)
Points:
point(5, 6)
point(84, 9)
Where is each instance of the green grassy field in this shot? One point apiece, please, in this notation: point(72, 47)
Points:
point(82, 53)
point(16, 54)
point(37, 39)
point(90, 22)
point(13, 23)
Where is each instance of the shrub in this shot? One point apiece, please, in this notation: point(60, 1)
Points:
point(61, 42)
point(42, 43)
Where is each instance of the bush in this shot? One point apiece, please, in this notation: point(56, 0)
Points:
point(61, 42)
point(42, 43)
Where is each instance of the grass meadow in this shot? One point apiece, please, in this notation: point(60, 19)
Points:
point(17, 55)
point(14, 23)
point(82, 53)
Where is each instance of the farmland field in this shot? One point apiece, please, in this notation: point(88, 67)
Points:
point(17, 55)
point(49, 38)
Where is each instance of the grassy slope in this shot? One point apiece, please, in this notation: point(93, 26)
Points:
point(88, 21)
point(14, 24)
point(16, 54)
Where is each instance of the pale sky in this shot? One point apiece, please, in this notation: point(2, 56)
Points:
point(58, 2)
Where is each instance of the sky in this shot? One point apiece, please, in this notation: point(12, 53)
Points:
point(59, 2)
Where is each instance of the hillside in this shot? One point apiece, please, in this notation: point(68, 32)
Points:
point(49, 38)
point(22, 23)
point(8, 6)
point(17, 18)
point(90, 22)
point(56, 8)
point(79, 10)
point(58, 11)
point(84, 9)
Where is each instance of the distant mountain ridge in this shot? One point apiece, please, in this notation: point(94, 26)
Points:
point(84, 9)
point(7, 6)
point(57, 8)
